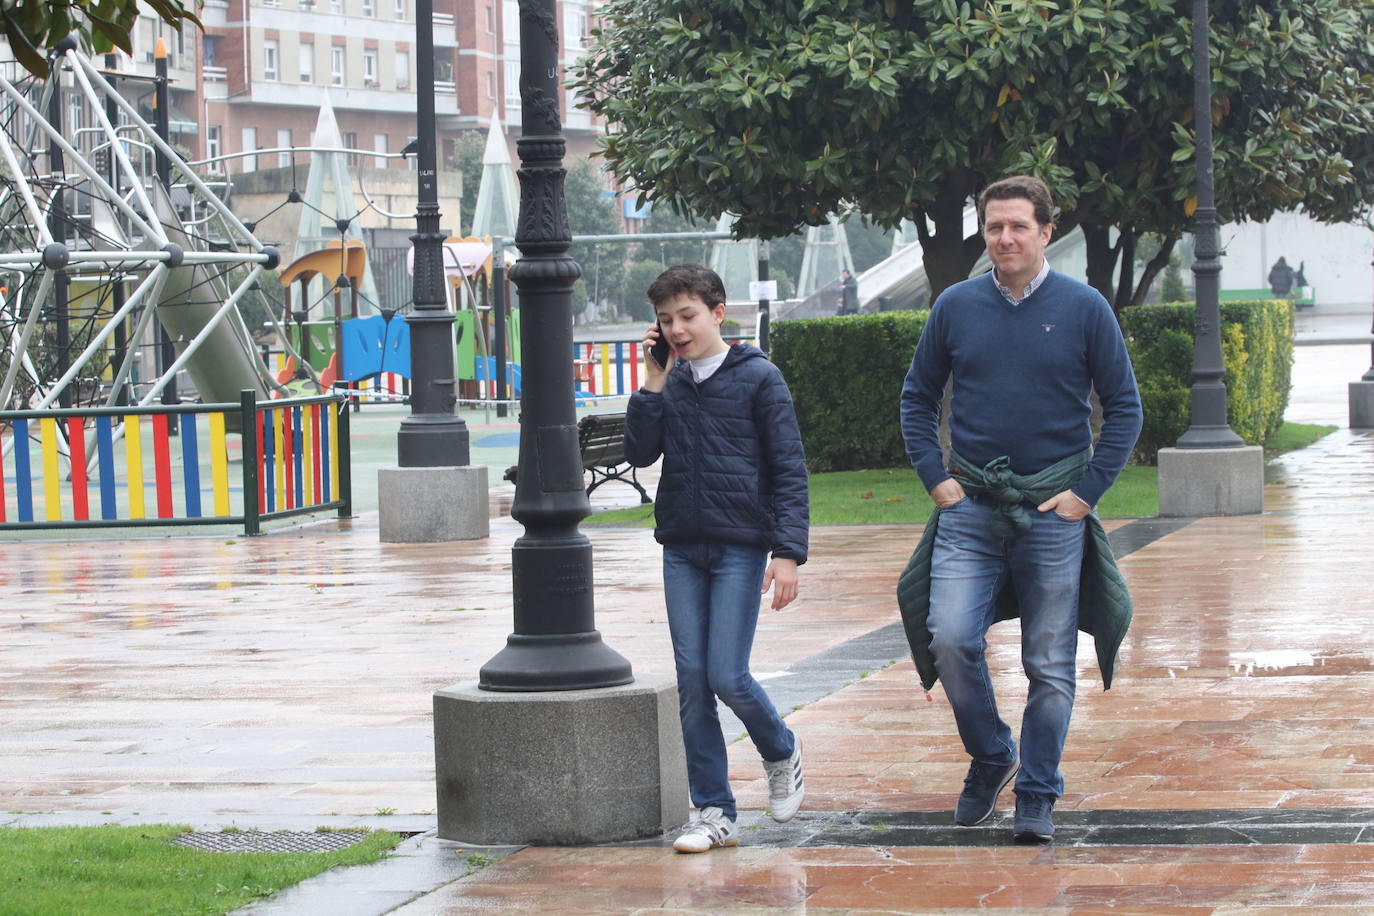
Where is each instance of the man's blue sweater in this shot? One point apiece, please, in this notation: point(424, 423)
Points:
point(1022, 377)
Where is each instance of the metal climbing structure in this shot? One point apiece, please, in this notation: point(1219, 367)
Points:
point(108, 236)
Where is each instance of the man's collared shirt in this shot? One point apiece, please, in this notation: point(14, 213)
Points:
point(1031, 287)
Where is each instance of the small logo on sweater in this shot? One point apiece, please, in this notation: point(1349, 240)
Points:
point(1047, 327)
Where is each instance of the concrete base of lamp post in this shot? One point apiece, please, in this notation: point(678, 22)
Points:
point(1362, 405)
point(428, 505)
point(562, 768)
point(1196, 482)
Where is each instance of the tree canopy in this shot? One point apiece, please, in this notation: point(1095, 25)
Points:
point(785, 110)
point(32, 27)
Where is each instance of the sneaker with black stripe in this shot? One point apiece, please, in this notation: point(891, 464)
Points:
point(709, 829)
point(786, 788)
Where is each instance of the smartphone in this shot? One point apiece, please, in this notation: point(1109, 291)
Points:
point(660, 350)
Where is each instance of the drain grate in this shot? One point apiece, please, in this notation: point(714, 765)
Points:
point(276, 841)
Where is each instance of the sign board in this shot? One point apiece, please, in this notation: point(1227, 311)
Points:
point(763, 289)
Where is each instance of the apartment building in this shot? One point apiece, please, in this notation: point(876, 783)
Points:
point(267, 66)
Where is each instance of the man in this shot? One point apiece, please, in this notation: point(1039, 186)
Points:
point(1025, 346)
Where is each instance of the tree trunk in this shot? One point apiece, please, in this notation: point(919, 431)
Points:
point(1101, 259)
point(1152, 269)
point(948, 254)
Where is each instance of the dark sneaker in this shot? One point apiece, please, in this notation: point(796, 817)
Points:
point(1033, 822)
point(982, 785)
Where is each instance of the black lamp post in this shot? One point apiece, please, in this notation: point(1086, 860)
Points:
point(433, 435)
point(1208, 427)
point(555, 645)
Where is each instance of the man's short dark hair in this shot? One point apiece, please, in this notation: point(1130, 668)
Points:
point(690, 280)
point(1023, 187)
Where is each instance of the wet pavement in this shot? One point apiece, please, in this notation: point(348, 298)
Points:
point(285, 682)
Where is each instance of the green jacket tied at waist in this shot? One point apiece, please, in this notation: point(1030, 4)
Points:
point(1104, 603)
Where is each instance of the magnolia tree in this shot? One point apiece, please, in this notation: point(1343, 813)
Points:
point(785, 110)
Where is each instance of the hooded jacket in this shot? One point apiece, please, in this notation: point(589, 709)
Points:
point(733, 466)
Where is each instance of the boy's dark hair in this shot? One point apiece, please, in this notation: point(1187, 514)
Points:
point(1025, 187)
point(688, 279)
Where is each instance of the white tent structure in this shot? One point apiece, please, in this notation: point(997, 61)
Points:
point(498, 199)
point(825, 256)
point(737, 262)
point(329, 194)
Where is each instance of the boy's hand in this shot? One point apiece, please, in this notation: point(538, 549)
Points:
point(782, 575)
point(655, 376)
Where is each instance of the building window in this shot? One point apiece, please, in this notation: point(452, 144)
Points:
point(336, 66)
point(491, 19)
point(269, 59)
point(574, 27)
point(350, 141)
point(336, 7)
point(512, 84)
point(284, 144)
point(379, 144)
point(510, 21)
point(402, 69)
point(369, 68)
point(369, 9)
point(307, 62)
point(491, 84)
point(400, 11)
point(250, 143)
point(411, 160)
point(213, 148)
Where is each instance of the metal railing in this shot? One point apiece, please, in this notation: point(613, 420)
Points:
point(294, 454)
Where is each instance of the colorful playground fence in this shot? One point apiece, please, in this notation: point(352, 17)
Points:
point(298, 461)
point(613, 367)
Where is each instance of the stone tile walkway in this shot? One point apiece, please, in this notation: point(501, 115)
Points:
point(286, 681)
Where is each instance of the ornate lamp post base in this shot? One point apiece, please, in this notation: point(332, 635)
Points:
point(1198, 482)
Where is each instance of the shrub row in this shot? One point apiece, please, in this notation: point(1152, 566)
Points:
point(1257, 351)
point(846, 379)
point(846, 376)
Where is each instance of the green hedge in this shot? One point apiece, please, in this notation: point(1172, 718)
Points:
point(846, 378)
point(1257, 350)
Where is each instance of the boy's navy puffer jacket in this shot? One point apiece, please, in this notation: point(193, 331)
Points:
point(733, 466)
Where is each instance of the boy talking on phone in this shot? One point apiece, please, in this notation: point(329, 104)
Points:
point(732, 491)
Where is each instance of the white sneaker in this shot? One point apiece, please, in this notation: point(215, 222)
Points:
point(786, 788)
point(707, 830)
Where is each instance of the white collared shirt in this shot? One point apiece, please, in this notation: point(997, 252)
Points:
point(1031, 287)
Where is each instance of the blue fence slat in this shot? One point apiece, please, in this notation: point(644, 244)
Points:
point(104, 444)
point(23, 472)
point(190, 464)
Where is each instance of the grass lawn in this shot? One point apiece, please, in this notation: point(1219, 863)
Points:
point(895, 495)
point(117, 871)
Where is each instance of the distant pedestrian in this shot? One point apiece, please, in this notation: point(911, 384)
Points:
point(733, 489)
point(1281, 277)
point(1013, 533)
point(849, 294)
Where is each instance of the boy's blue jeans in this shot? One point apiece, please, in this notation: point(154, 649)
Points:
point(712, 593)
point(968, 568)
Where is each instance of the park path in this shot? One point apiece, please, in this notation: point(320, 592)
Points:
point(285, 681)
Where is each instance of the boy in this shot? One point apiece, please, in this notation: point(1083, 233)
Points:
point(732, 490)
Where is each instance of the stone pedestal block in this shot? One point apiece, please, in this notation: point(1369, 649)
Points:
point(1362, 405)
point(559, 768)
point(424, 505)
point(1196, 482)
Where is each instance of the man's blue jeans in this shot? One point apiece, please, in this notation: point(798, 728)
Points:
point(968, 568)
point(712, 593)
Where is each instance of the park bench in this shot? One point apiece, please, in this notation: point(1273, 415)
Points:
point(601, 441)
